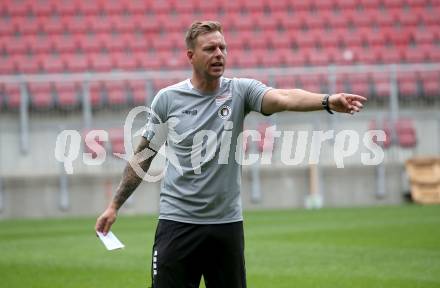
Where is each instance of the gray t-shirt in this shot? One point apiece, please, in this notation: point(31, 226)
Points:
point(203, 172)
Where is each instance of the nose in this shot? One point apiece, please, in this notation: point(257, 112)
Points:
point(218, 52)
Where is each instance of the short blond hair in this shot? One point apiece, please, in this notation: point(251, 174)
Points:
point(199, 28)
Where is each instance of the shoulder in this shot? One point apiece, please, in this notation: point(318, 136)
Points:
point(171, 91)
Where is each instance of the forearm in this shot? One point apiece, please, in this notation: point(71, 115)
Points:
point(301, 100)
point(277, 100)
point(133, 173)
point(129, 182)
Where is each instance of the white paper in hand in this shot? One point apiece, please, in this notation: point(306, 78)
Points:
point(110, 241)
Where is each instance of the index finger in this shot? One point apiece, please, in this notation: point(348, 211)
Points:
point(356, 97)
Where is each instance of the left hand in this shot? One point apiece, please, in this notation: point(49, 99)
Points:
point(346, 103)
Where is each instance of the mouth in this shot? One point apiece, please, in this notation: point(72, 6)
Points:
point(217, 65)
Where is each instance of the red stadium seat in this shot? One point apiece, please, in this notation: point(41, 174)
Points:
point(16, 8)
point(76, 24)
point(393, 3)
point(100, 24)
point(306, 39)
point(398, 36)
point(27, 25)
point(382, 86)
point(52, 25)
point(12, 95)
point(14, 44)
point(125, 61)
point(41, 97)
point(76, 62)
point(101, 62)
point(136, 42)
point(345, 4)
point(281, 5)
point(173, 60)
point(64, 43)
point(7, 65)
point(361, 18)
point(312, 83)
point(148, 23)
point(8, 26)
point(189, 6)
point(424, 36)
point(89, 7)
point(390, 55)
point(113, 42)
point(96, 94)
point(373, 37)
point(116, 137)
point(27, 64)
point(253, 5)
point(349, 38)
point(383, 19)
point(408, 85)
point(270, 58)
point(137, 6)
point(244, 22)
point(39, 43)
point(124, 23)
point(406, 133)
point(285, 82)
point(247, 59)
point(318, 57)
point(415, 55)
point(293, 58)
point(328, 39)
point(88, 43)
point(406, 17)
point(116, 93)
point(277, 39)
point(431, 84)
point(66, 7)
point(67, 95)
point(52, 63)
point(138, 92)
point(287, 21)
point(113, 6)
point(267, 24)
point(358, 84)
point(375, 126)
point(160, 7)
point(366, 55)
point(148, 60)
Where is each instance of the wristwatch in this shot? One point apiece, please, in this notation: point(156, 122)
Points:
point(325, 103)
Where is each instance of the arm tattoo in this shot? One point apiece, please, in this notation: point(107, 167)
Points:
point(130, 180)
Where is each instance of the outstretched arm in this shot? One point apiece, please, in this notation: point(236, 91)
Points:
point(277, 100)
point(130, 181)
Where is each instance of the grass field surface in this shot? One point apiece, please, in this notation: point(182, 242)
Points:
point(349, 247)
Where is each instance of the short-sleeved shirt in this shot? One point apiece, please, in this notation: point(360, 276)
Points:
point(202, 172)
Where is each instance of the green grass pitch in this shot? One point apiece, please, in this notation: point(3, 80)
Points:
point(346, 247)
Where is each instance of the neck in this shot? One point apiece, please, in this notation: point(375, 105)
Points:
point(205, 85)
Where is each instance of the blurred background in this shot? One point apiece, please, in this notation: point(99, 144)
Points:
point(83, 65)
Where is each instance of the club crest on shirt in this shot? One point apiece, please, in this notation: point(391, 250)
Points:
point(224, 112)
point(221, 99)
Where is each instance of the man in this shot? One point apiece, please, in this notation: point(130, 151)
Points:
point(200, 230)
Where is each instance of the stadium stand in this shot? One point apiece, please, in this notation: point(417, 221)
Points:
point(102, 36)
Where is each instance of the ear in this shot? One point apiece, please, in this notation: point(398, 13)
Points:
point(189, 54)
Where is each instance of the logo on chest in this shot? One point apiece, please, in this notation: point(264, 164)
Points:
point(224, 112)
point(192, 112)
